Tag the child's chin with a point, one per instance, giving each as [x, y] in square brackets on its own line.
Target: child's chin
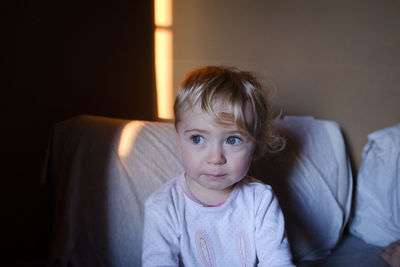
[219, 187]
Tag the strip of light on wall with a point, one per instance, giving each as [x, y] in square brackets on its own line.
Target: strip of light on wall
[163, 58]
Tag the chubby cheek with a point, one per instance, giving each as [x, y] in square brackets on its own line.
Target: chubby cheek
[241, 163]
[190, 164]
[241, 166]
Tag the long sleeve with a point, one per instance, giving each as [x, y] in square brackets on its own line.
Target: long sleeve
[160, 241]
[270, 238]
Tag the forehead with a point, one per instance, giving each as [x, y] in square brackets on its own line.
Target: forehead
[194, 117]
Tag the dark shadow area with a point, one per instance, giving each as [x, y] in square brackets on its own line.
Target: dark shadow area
[78, 170]
[59, 60]
[275, 168]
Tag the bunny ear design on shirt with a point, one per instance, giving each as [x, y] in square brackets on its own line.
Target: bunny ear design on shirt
[204, 249]
[243, 248]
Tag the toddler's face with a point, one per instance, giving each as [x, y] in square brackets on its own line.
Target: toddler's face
[215, 156]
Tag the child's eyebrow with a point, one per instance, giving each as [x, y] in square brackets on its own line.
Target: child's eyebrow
[232, 132]
[236, 132]
[196, 130]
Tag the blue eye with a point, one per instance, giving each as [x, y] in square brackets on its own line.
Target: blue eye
[197, 139]
[233, 140]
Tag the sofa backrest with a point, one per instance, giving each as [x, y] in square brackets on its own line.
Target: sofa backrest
[102, 170]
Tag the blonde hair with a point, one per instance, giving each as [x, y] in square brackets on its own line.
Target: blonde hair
[241, 94]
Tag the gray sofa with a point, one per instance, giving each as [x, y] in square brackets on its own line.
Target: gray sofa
[102, 169]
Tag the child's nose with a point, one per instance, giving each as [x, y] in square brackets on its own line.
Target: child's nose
[216, 156]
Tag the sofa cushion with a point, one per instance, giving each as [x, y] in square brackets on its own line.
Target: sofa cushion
[313, 181]
[376, 218]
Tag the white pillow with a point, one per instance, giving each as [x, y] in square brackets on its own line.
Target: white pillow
[313, 181]
[376, 218]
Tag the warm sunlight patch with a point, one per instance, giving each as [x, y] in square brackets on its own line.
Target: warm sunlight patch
[128, 137]
[164, 73]
[163, 13]
[163, 58]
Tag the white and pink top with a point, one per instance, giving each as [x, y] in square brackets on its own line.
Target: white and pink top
[246, 230]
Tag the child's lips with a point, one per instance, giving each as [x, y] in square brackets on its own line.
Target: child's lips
[215, 176]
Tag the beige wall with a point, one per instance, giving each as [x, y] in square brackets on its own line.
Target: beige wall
[334, 60]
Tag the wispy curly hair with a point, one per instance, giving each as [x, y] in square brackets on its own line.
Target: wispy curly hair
[242, 96]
